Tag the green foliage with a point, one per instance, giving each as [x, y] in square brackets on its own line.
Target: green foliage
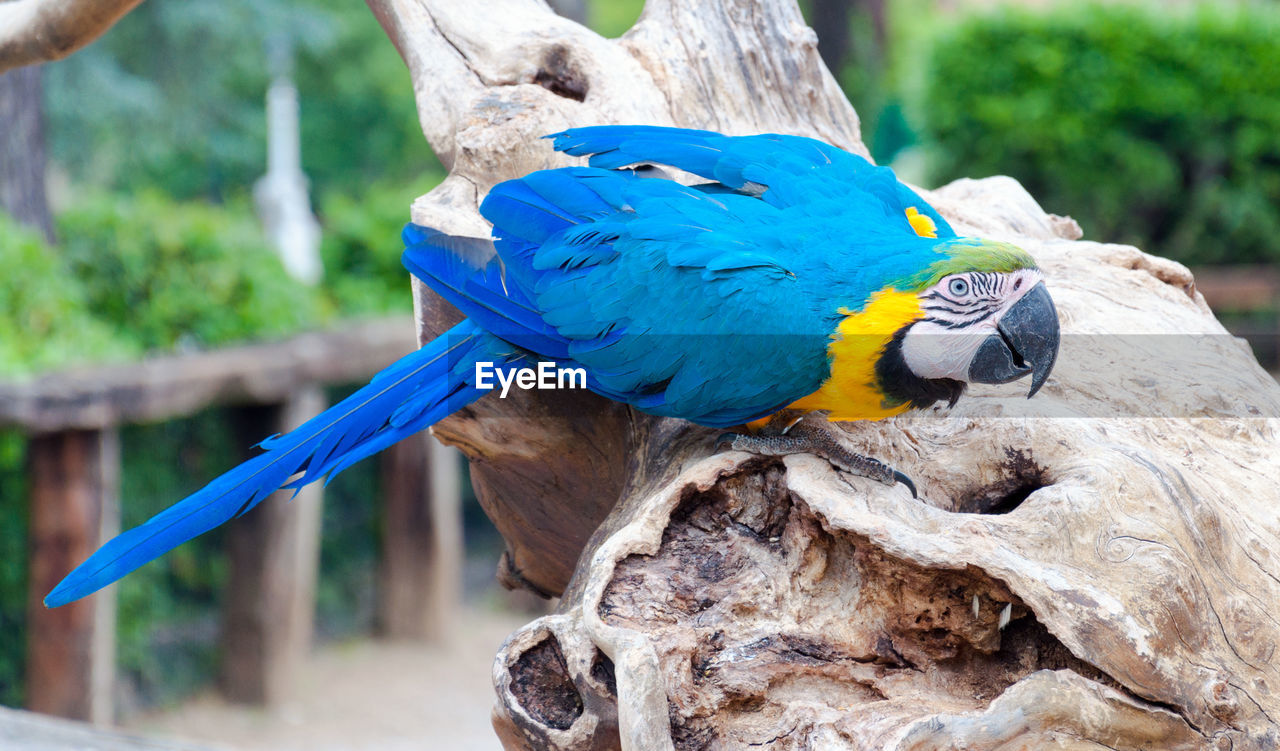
[45, 321]
[613, 18]
[1148, 128]
[863, 77]
[170, 97]
[187, 81]
[148, 263]
[134, 274]
[13, 567]
[164, 274]
[361, 246]
[170, 608]
[350, 538]
[359, 121]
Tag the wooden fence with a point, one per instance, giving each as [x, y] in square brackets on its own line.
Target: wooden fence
[72, 420]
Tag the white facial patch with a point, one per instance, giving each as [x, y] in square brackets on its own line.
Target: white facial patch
[960, 312]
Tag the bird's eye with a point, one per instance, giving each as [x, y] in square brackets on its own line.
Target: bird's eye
[958, 287]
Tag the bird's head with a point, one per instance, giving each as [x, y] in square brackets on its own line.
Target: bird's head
[985, 317]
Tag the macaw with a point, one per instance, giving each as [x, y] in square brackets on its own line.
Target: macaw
[799, 279]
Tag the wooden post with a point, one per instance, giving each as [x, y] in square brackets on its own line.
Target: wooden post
[421, 565]
[274, 555]
[75, 481]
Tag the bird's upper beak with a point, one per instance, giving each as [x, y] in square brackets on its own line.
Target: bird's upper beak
[1026, 341]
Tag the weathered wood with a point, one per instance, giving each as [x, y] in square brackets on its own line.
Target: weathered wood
[1094, 568]
[173, 385]
[549, 467]
[75, 480]
[26, 731]
[420, 570]
[37, 31]
[274, 556]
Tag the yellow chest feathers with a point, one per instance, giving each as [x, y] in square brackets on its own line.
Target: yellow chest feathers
[850, 392]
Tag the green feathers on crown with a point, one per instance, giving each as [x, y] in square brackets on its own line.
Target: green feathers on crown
[969, 254]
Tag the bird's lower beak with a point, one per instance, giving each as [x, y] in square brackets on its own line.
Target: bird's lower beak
[1026, 341]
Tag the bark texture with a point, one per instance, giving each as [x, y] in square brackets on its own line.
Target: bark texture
[1095, 568]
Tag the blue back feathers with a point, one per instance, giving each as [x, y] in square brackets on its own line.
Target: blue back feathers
[714, 302]
[710, 302]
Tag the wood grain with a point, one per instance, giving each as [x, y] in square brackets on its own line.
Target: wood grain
[1094, 568]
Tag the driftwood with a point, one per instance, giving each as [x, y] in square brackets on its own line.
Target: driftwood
[1096, 568]
[39, 31]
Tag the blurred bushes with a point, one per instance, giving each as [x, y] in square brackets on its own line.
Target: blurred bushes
[165, 274]
[149, 273]
[350, 540]
[169, 609]
[13, 564]
[45, 320]
[613, 18]
[172, 98]
[1149, 128]
[160, 128]
[361, 246]
[142, 273]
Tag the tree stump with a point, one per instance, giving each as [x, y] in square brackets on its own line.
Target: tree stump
[1097, 567]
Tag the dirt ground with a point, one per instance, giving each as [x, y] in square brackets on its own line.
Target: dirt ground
[365, 696]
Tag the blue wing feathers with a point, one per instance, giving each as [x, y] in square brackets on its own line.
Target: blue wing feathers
[770, 159]
[711, 302]
[481, 293]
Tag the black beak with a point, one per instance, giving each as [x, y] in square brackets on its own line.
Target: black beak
[1026, 342]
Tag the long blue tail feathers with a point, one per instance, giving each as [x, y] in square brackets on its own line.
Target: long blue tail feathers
[409, 396]
[429, 384]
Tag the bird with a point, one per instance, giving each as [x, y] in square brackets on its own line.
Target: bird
[732, 281]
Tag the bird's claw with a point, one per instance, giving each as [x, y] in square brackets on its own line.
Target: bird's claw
[727, 439]
[898, 476]
[819, 442]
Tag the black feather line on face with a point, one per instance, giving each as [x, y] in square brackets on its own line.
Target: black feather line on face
[899, 385]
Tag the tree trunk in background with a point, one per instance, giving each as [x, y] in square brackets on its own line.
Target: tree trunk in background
[22, 153]
[1095, 568]
[879, 25]
[831, 22]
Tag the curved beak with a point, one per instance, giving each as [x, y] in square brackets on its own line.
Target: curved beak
[1026, 341]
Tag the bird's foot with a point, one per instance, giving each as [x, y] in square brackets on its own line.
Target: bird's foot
[806, 436]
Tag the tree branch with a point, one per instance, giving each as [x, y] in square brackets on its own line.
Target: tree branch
[38, 31]
[1094, 567]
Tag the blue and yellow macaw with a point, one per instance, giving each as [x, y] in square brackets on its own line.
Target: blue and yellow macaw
[800, 279]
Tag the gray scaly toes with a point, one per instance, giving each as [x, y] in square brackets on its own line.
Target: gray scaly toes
[803, 438]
